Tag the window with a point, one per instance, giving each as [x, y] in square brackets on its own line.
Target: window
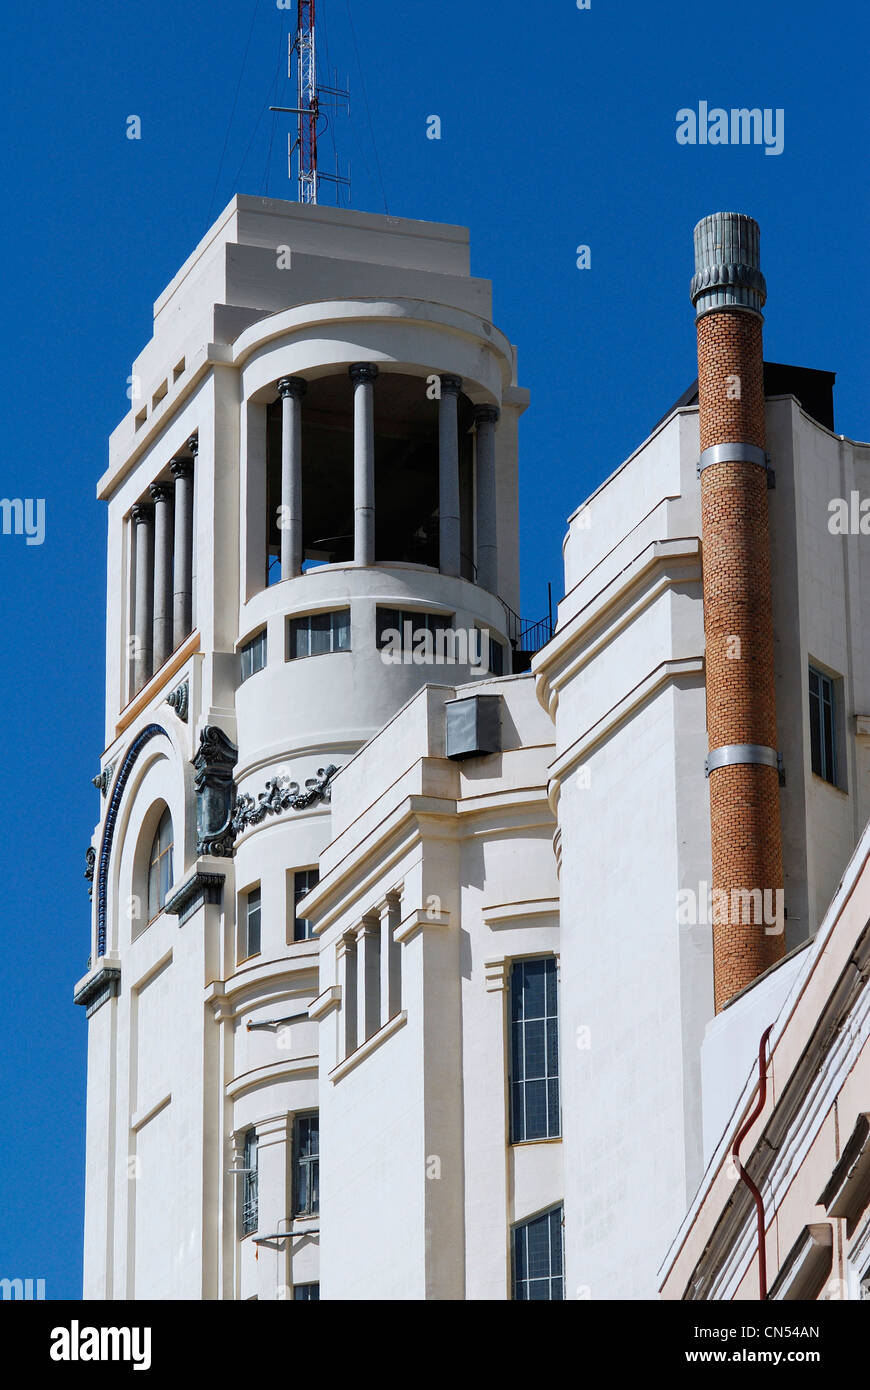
[306, 1165]
[409, 624]
[306, 1293]
[496, 656]
[251, 924]
[822, 726]
[865, 1286]
[253, 655]
[534, 1050]
[249, 1191]
[537, 1256]
[317, 633]
[160, 867]
[303, 882]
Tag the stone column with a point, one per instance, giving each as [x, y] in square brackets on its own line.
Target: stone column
[161, 495]
[143, 621]
[448, 476]
[486, 418]
[291, 389]
[363, 375]
[391, 961]
[347, 974]
[368, 978]
[182, 598]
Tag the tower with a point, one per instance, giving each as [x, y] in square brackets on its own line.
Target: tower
[314, 491]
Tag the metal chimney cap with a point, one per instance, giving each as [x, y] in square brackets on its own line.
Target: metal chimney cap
[728, 264]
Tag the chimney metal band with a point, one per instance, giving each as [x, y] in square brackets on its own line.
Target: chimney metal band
[733, 453]
[732, 753]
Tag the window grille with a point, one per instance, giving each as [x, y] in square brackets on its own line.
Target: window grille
[306, 1165]
[534, 1069]
[538, 1272]
[249, 1193]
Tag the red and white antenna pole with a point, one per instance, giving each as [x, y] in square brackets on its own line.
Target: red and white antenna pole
[308, 107]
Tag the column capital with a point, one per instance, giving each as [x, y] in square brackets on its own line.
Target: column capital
[390, 902]
[161, 492]
[294, 386]
[451, 385]
[363, 371]
[345, 944]
[486, 414]
[193, 445]
[181, 468]
[141, 512]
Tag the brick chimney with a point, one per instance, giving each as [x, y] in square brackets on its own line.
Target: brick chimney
[729, 292]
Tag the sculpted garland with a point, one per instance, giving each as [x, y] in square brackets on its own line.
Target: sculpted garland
[282, 795]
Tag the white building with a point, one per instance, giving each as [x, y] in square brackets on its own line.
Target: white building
[339, 1045]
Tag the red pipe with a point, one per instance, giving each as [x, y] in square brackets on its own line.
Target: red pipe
[735, 1154]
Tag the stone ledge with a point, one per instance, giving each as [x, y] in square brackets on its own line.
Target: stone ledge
[97, 989]
[189, 898]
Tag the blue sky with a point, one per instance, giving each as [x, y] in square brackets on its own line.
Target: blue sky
[558, 129]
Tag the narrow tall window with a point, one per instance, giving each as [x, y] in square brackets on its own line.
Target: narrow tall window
[306, 1165]
[306, 1293]
[253, 655]
[318, 633]
[303, 882]
[538, 1273]
[160, 867]
[823, 742]
[251, 924]
[249, 1189]
[496, 656]
[534, 1071]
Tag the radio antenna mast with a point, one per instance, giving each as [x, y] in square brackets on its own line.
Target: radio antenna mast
[310, 104]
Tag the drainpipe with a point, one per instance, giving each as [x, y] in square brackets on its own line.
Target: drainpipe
[744, 1176]
[729, 292]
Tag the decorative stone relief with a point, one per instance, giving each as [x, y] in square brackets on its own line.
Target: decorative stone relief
[104, 780]
[90, 863]
[178, 700]
[215, 792]
[282, 795]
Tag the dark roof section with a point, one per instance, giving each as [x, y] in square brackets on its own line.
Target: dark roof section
[814, 389]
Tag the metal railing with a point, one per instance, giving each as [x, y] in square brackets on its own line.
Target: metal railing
[526, 636]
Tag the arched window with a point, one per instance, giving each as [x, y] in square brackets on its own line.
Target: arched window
[160, 866]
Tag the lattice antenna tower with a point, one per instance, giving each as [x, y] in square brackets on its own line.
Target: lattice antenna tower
[313, 100]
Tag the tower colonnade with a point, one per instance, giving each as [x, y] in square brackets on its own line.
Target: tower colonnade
[364, 378]
[163, 568]
[465, 511]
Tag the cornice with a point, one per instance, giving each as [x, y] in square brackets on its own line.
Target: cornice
[654, 570]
